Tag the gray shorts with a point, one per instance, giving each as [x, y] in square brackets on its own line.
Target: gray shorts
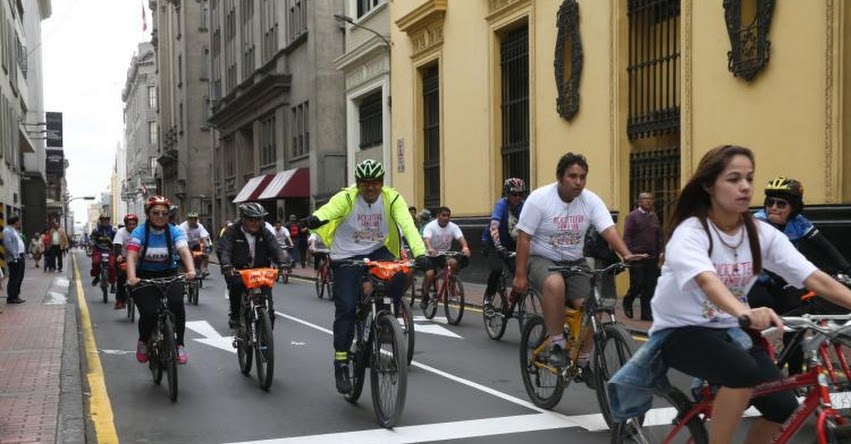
[578, 287]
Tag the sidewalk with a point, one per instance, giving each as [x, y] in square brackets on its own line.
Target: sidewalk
[40, 385]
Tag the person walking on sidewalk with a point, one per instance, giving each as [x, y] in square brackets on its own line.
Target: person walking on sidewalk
[58, 244]
[642, 234]
[15, 255]
[36, 248]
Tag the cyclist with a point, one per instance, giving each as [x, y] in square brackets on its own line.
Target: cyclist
[198, 237]
[318, 250]
[101, 238]
[499, 238]
[119, 245]
[151, 254]
[553, 225]
[364, 222]
[438, 235]
[246, 244]
[282, 235]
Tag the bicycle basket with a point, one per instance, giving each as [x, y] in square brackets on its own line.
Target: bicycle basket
[258, 277]
[386, 270]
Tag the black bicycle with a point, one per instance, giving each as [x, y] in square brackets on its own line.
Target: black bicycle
[256, 321]
[162, 345]
[503, 305]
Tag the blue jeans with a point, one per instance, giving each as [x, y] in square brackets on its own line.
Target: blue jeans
[347, 290]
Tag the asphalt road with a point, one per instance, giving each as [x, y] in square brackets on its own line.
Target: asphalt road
[462, 387]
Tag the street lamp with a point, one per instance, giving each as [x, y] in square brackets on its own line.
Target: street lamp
[351, 21]
[67, 204]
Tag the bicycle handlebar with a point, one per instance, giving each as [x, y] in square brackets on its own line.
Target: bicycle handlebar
[448, 253]
[810, 322]
[160, 282]
[581, 270]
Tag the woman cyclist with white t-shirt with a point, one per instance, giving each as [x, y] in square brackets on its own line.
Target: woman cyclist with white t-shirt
[714, 254]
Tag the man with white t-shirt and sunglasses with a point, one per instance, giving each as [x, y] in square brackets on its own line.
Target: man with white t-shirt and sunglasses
[438, 236]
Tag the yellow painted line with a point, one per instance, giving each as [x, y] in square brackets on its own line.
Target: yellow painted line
[99, 406]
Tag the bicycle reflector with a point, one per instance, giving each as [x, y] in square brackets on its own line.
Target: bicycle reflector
[386, 270]
[258, 277]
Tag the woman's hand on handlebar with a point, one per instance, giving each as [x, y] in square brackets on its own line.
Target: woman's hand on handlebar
[635, 257]
[132, 281]
[190, 275]
[761, 318]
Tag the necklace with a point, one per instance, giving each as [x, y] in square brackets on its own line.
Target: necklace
[734, 248]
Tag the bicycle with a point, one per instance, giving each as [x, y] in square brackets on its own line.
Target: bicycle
[379, 344]
[691, 416]
[128, 301]
[104, 275]
[324, 279]
[613, 345]
[254, 331]
[285, 269]
[503, 305]
[162, 345]
[450, 292]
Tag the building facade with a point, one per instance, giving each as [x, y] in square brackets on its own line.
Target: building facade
[483, 91]
[141, 129]
[181, 40]
[278, 104]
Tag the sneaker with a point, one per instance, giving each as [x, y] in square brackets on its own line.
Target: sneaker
[15, 301]
[142, 352]
[112, 288]
[556, 356]
[341, 376]
[95, 281]
[118, 305]
[586, 375]
[182, 357]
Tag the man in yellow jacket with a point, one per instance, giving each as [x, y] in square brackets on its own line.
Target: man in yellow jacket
[363, 221]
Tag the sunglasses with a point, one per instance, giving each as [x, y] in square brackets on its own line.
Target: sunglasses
[515, 194]
[159, 213]
[780, 203]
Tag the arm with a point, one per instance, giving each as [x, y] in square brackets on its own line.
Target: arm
[465, 249]
[132, 259]
[720, 295]
[336, 208]
[611, 236]
[409, 229]
[225, 245]
[524, 243]
[824, 285]
[276, 252]
[188, 262]
[815, 247]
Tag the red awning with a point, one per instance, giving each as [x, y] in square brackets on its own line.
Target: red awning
[289, 183]
[252, 189]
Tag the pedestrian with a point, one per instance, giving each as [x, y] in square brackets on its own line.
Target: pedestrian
[642, 234]
[299, 238]
[58, 244]
[15, 255]
[36, 248]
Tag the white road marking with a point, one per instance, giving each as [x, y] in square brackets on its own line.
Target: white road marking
[433, 329]
[211, 336]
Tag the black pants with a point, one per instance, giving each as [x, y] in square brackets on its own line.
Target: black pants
[16, 278]
[57, 253]
[643, 275]
[146, 299]
[121, 291]
[495, 264]
[49, 259]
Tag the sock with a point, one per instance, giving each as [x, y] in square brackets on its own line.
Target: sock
[558, 340]
[583, 359]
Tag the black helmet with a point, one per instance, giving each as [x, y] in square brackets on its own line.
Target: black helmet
[789, 189]
[252, 209]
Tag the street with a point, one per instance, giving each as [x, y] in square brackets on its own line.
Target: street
[462, 386]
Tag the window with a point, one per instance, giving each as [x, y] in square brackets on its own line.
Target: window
[431, 136]
[371, 119]
[298, 18]
[364, 6]
[268, 147]
[153, 132]
[269, 24]
[205, 64]
[247, 36]
[180, 117]
[179, 71]
[230, 156]
[300, 129]
[230, 46]
[205, 14]
[152, 97]
[514, 65]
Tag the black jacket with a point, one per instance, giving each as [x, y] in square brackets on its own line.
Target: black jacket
[234, 248]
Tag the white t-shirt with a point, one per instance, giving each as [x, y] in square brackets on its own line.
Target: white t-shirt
[441, 237]
[363, 231]
[557, 227]
[678, 300]
[316, 244]
[194, 235]
[121, 238]
[282, 236]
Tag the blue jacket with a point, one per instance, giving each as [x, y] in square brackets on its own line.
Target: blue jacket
[631, 389]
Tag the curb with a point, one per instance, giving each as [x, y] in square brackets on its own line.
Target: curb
[70, 424]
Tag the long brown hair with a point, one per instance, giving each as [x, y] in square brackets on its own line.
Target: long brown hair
[694, 200]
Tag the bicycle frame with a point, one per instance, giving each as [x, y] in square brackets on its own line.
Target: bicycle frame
[443, 287]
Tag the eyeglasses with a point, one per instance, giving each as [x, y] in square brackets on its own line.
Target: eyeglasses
[781, 204]
[159, 213]
[515, 194]
[253, 219]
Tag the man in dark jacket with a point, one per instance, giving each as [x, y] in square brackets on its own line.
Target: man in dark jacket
[246, 244]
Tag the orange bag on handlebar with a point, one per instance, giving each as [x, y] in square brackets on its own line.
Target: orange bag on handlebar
[386, 270]
[258, 277]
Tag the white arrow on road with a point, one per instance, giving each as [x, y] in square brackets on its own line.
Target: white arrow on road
[211, 336]
[421, 324]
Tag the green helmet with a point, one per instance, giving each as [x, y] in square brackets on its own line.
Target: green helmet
[369, 170]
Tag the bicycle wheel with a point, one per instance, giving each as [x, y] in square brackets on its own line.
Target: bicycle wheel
[543, 386]
[430, 308]
[388, 372]
[329, 286]
[154, 360]
[244, 351]
[320, 287]
[453, 301]
[493, 314]
[131, 308]
[834, 433]
[168, 355]
[265, 350]
[193, 293]
[413, 289]
[529, 305]
[406, 321]
[104, 288]
[614, 348]
[358, 357]
[654, 428]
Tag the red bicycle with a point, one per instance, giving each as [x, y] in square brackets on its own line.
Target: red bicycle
[686, 422]
[450, 292]
[324, 278]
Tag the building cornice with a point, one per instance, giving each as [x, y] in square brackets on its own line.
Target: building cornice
[361, 54]
[427, 13]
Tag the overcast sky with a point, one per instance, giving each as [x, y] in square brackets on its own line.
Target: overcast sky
[86, 50]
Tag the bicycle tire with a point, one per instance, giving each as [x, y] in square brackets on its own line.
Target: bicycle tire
[493, 314]
[413, 289]
[168, 355]
[320, 287]
[835, 433]
[244, 351]
[131, 309]
[543, 387]
[358, 356]
[529, 305]
[264, 352]
[453, 301]
[388, 372]
[329, 286]
[104, 287]
[614, 348]
[430, 308]
[408, 330]
[285, 277]
[193, 294]
[640, 431]
[154, 360]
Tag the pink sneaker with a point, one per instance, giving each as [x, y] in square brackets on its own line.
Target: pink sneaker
[182, 357]
[142, 352]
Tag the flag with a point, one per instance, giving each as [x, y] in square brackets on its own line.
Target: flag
[144, 19]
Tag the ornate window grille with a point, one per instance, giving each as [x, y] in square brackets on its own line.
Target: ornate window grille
[514, 64]
[657, 172]
[568, 59]
[748, 22]
[370, 120]
[431, 136]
